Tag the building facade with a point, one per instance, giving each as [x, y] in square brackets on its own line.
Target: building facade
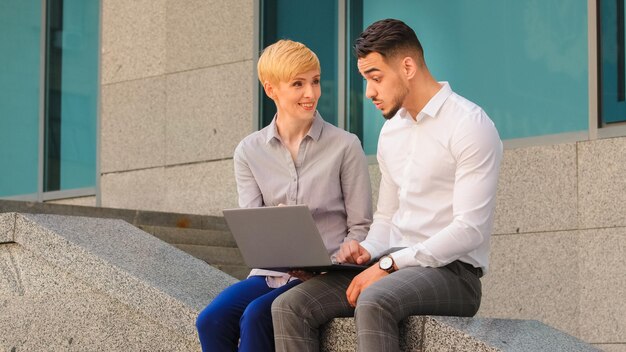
[140, 104]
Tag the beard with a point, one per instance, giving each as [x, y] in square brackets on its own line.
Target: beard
[397, 103]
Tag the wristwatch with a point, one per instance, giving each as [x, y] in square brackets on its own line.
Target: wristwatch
[386, 263]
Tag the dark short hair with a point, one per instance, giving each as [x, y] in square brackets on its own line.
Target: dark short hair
[388, 37]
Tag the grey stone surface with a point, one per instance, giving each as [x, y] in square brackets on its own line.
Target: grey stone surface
[7, 226]
[46, 308]
[203, 188]
[139, 189]
[133, 39]
[133, 125]
[603, 281]
[192, 236]
[208, 112]
[435, 334]
[535, 276]
[89, 201]
[126, 264]
[618, 347]
[537, 190]
[602, 185]
[203, 33]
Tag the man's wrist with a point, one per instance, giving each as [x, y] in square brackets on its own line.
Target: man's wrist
[387, 264]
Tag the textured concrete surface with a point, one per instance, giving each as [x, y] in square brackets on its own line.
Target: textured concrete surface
[534, 276]
[208, 112]
[612, 347]
[133, 39]
[203, 33]
[433, 333]
[602, 185]
[7, 227]
[139, 189]
[603, 281]
[133, 125]
[203, 188]
[125, 264]
[46, 308]
[537, 190]
[89, 201]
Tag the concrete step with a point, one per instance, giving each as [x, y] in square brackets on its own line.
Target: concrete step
[213, 255]
[237, 271]
[176, 235]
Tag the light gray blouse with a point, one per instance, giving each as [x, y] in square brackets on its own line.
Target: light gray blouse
[330, 175]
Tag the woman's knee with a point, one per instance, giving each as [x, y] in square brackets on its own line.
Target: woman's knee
[213, 320]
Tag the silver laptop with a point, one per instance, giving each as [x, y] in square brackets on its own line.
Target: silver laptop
[281, 238]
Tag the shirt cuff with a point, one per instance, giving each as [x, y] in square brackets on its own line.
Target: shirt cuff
[371, 249]
[417, 255]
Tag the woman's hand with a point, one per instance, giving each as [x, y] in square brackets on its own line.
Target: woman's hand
[303, 275]
[353, 252]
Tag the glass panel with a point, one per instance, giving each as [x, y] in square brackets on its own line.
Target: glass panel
[612, 102]
[316, 27]
[524, 62]
[71, 96]
[20, 32]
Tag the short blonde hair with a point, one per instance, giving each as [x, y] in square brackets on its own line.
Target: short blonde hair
[285, 59]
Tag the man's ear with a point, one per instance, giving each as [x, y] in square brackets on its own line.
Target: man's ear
[409, 67]
[269, 89]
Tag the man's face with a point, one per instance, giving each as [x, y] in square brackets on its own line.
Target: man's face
[384, 85]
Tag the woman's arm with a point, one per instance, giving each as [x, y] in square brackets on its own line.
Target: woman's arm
[357, 191]
[247, 187]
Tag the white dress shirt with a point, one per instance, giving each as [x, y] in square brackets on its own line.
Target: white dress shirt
[438, 187]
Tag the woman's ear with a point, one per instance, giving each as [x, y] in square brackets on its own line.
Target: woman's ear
[269, 89]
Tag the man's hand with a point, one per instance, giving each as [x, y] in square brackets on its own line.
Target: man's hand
[363, 281]
[353, 252]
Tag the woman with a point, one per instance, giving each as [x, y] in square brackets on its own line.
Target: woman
[297, 159]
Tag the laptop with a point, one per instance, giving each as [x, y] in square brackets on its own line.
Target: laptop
[281, 238]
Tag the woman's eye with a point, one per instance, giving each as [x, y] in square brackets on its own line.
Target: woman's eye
[297, 84]
[316, 81]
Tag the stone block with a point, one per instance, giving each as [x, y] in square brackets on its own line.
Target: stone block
[203, 33]
[7, 226]
[89, 201]
[603, 281]
[203, 188]
[133, 39]
[534, 276]
[601, 170]
[133, 125]
[126, 264]
[47, 308]
[438, 334]
[208, 112]
[537, 190]
[139, 189]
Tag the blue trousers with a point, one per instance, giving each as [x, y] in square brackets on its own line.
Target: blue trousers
[242, 312]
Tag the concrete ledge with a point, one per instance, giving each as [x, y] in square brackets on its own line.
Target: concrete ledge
[7, 227]
[434, 333]
[99, 262]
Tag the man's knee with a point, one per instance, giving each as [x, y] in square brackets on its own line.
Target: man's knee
[287, 301]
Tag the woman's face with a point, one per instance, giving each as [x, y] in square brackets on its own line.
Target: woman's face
[297, 98]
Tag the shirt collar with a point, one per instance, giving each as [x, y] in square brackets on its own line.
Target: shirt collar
[434, 104]
[314, 132]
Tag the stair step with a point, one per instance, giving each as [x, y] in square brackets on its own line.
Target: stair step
[237, 271]
[176, 235]
[213, 255]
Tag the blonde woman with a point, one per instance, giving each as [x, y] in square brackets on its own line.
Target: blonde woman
[298, 159]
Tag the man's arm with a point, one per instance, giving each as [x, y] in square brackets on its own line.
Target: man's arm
[478, 150]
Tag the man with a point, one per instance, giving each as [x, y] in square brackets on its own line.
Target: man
[439, 156]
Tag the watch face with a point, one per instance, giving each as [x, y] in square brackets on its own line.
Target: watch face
[386, 263]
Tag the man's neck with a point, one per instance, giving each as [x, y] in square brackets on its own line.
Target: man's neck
[422, 88]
